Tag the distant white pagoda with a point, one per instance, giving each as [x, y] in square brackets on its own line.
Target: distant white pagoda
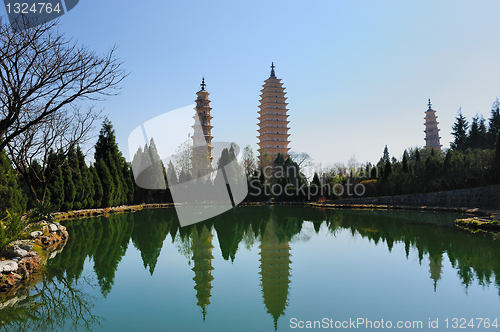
[202, 136]
[431, 129]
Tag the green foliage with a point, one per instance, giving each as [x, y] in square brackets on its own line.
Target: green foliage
[460, 132]
[387, 169]
[108, 185]
[77, 173]
[87, 183]
[405, 162]
[12, 227]
[494, 124]
[117, 189]
[11, 197]
[149, 175]
[316, 180]
[96, 199]
[385, 156]
[69, 188]
[55, 181]
[41, 211]
[171, 175]
[477, 134]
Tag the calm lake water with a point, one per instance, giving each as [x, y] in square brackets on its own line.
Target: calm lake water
[264, 268]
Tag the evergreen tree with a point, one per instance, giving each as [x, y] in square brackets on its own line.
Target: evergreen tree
[316, 180]
[171, 175]
[107, 154]
[432, 171]
[387, 169]
[417, 155]
[96, 199]
[405, 162]
[460, 132]
[55, 181]
[129, 183]
[497, 150]
[35, 186]
[108, 185]
[69, 187]
[477, 133]
[87, 199]
[385, 157]
[493, 124]
[77, 177]
[11, 197]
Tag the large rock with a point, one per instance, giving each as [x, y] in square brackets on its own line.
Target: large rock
[8, 266]
[36, 234]
[26, 246]
[53, 227]
[15, 251]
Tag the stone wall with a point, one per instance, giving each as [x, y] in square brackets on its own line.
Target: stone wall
[483, 198]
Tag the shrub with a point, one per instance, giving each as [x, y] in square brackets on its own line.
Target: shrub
[41, 211]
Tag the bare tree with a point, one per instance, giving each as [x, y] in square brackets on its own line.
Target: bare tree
[302, 159]
[60, 132]
[183, 156]
[248, 160]
[42, 74]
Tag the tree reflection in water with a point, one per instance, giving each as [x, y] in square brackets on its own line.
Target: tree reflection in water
[60, 301]
[54, 304]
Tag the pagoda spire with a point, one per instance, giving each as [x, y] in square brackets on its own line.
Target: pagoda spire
[429, 104]
[203, 83]
[272, 70]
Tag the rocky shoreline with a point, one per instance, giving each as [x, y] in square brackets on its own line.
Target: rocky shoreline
[21, 262]
[478, 224]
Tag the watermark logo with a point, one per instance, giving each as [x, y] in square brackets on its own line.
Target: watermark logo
[205, 179]
[24, 14]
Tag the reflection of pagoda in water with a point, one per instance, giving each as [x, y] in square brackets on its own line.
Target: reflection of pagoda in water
[436, 268]
[202, 258]
[274, 270]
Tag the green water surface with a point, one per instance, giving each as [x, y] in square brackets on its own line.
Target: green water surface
[262, 269]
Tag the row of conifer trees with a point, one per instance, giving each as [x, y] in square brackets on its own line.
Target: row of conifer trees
[68, 183]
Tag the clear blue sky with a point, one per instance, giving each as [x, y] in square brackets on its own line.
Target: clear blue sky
[357, 73]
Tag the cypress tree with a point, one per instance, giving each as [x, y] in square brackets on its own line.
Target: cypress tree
[69, 187]
[87, 200]
[11, 197]
[77, 176]
[387, 169]
[496, 161]
[108, 154]
[417, 155]
[405, 162]
[55, 181]
[108, 185]
[35, 186]
[494, 124]
[460, 132]
[385, 157]
[96, 199]
[477, 133]
[129, 183]
[316, 180]
[171, 175]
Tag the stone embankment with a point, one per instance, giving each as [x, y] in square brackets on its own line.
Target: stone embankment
[23, 259]
[107, 211]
